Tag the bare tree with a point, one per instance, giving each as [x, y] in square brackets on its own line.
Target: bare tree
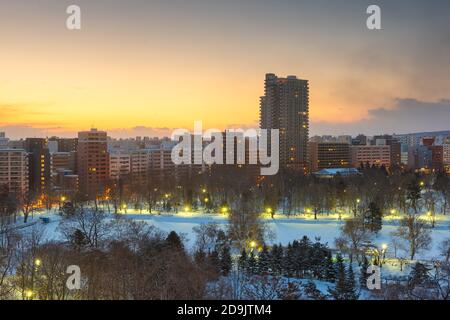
[353, 235]
[91, 224]
[8, 241]
[415, 232]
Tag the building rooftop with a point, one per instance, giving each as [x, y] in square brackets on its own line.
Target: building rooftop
[336, 171]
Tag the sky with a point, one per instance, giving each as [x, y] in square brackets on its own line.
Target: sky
[144, 67]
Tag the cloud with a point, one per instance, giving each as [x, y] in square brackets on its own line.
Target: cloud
[141, 131]
[25, 131]
[405, 116]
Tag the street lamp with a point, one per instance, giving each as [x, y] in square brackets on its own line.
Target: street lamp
[224, 210]
[37, 262]
[358, 200]
[384, 247]
[29, 294]
[393, 211]
[186, 209]
[269, 210]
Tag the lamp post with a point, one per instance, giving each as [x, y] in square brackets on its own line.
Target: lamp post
[253, 245]
[36, 264]
[269, 210]
[384, 247]
[62, 200]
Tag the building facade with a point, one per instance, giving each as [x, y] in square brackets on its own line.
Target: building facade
[39, 166]
[14, 171]
[119, 165]
[285, 106]
[373, 155]
[92, 162]
[327, 155]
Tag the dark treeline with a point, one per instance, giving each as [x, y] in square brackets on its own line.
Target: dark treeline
[288, 192]
[119, 259]
[299, 259]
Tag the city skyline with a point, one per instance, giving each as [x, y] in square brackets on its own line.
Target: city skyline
[153, 67]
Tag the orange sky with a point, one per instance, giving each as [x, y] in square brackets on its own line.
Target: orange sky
[122, 71]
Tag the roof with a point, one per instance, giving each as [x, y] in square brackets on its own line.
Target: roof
[335, 171]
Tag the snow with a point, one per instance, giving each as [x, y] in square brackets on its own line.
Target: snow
[285, 229]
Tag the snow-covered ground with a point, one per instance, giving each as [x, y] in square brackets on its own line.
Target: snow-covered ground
[284, 229]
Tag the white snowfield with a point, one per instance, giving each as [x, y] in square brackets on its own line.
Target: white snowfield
[285, 229]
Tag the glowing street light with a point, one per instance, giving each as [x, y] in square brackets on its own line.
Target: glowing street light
[206, 199]
[358, 200]
[37, 262]
[393, 211]
[63, 199]
[253, 244]
[269, 210]
[422, 183]
[29, 294]
[384, 247]
[204, 190]
[224, 210]
[308, 211]
[187, 209]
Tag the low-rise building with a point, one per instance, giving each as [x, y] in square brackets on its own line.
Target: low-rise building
[323, 155]
[378, 155]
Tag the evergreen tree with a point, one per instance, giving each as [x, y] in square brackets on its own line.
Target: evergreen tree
[351, 291]
[374, 218]
[288, 261]
[419, 274]
[330, 270]
[214, 260]
[78, 239]
[264, 261]
[251, 264]
[363, 273]
[174, 241]
[243, 261]
[413, 194]
[225, 260]
[277, 259]
[339, 291]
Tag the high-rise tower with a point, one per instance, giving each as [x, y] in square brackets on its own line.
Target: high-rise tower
[285, 106]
